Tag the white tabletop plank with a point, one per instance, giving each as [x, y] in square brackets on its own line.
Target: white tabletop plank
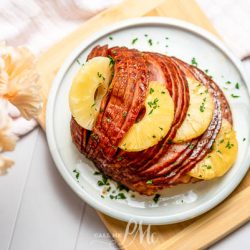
[12, 186]
[93, 234]
[49, 215]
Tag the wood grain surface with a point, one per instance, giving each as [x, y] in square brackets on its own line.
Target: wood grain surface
[193, 234]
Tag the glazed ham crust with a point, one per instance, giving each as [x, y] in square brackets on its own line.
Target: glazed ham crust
[166, 164]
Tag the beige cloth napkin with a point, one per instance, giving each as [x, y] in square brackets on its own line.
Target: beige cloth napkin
[38, 24]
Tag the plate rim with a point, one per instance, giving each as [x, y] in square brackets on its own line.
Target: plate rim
[83, 194]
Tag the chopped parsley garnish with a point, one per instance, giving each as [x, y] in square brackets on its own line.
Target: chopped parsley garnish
[151, 90]
[151, 111]
[153, 136]
[218, 151]
[93, 105]
[110, 38]
[228, 82]
[97, 173]
[161, 128]
[244, 139]
[149, 182]
[77, 173]
[111, 197]
[235, 96]
[191, 146]
[156, 198]
[237, 85]
[166, 38]
[202, 107]
[104, 181]
[194, 62]
[112, 61]
[207, 166]
[119, 158]
[153, 105]
[188, 114]
[100, 76]
[120, 196]
[122, 187]
[229, 145]
[102, 196]
[150, 42]
[114, 52]
[146, 35]
[206, 71]
[163, 92]
[124, 113]
[134, 40]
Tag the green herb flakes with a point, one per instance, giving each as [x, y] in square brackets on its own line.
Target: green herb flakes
[151, 91]
[112, 61]
[134, 40]
[202, 107]
[194, 62]
[149, 182]
[77, 173]
[156, 198]
[237, 85]
[229, 145]
[119, 158]
[234, 96]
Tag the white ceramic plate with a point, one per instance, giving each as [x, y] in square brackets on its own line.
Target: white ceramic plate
[176, 38]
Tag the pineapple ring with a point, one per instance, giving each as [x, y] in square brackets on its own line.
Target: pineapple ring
[199, 113]
[88, 88]
[156, 122]
[222, 156]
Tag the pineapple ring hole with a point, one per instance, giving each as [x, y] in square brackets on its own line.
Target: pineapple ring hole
[98, 91]
[141, 114]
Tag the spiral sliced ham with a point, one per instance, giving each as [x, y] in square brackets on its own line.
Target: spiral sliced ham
[166, 164]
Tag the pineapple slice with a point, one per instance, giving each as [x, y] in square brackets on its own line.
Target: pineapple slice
[199, 113]
[222, 156]
[88, 88]
[156, 122]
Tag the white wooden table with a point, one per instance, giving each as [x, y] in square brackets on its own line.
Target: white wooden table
[39, 211]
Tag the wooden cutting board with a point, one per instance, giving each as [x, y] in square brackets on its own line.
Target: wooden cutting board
[197, 233]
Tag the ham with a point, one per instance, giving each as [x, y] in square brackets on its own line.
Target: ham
[166, 164]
